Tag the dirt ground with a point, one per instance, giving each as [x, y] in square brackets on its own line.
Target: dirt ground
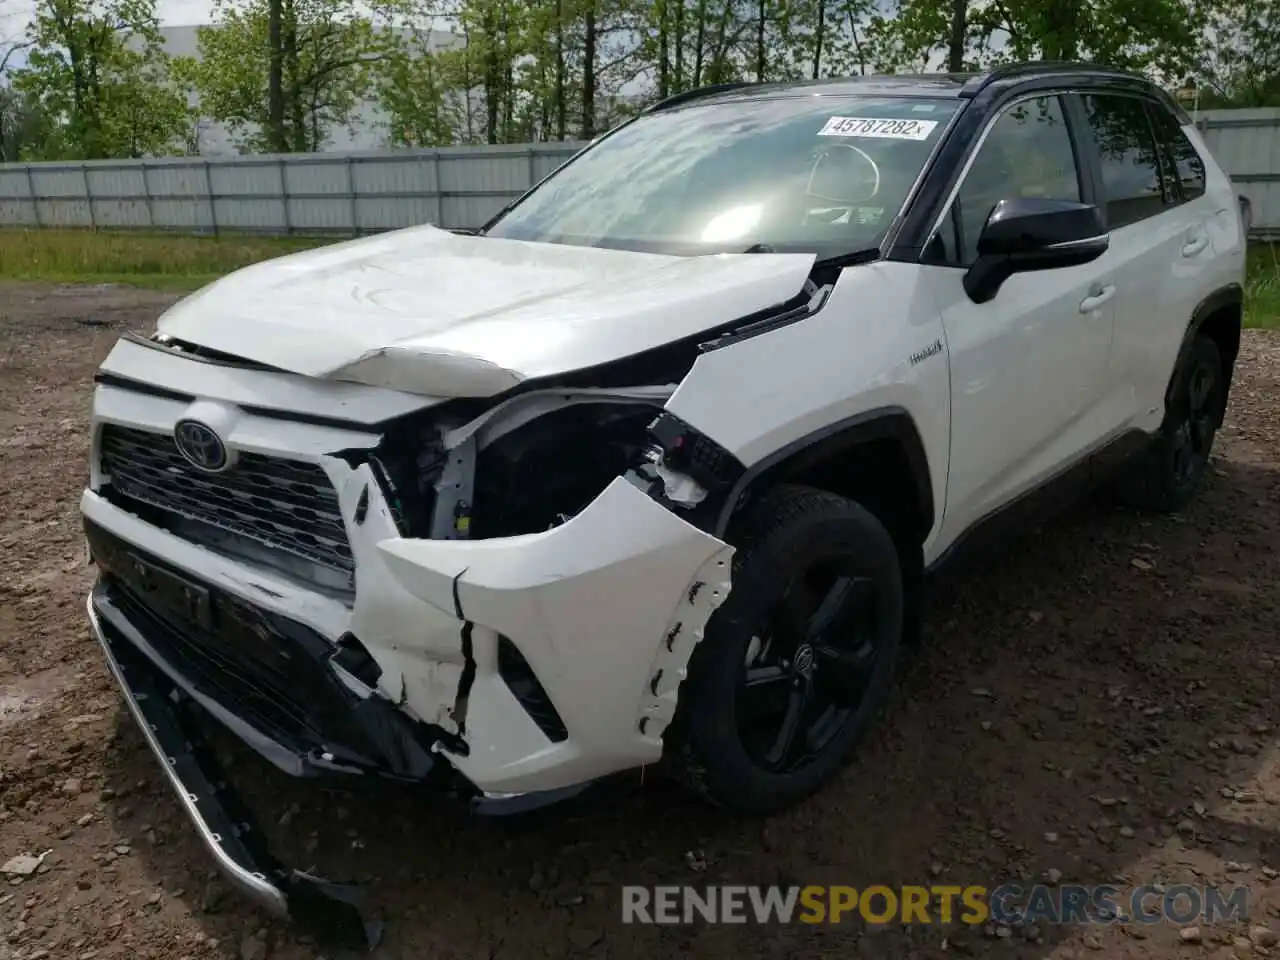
[1097, 705]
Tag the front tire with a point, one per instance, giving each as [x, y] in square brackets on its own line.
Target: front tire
[1172, 470]
[797, 663]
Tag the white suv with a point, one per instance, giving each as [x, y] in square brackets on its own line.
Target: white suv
[653, 468]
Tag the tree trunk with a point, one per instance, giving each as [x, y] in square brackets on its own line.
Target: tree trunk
[678, 61]
[760, 21]
[589, 74]
[508, 78]
[1062, 36]
[701, 42]
[664, 40]
[562, 108]
[275, 79]
[492, 77]
[296, 106]
[819, 35]
[955, 45]
[720, 54]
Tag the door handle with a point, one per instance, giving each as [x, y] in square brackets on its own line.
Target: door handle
[1195, 245]
[1097, 297]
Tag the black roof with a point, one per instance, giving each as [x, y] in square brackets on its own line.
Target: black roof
[965, 85]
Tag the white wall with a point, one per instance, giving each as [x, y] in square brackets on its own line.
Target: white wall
[368, 129]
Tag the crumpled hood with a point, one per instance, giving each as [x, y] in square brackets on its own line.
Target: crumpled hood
[427, 311]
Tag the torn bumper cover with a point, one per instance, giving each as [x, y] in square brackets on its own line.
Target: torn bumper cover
[602, 612]
[605, 609]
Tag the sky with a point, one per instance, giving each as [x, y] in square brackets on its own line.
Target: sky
[15, 14]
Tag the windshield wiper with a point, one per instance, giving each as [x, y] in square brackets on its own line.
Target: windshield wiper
[865, 255]
[853, 257]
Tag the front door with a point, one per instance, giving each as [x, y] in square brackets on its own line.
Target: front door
[1029, 366]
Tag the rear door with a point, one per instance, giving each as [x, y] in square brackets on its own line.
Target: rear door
[1160, 246]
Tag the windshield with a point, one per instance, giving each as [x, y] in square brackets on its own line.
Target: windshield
[814, 174]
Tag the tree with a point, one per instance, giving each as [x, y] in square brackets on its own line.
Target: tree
[96, 71]
[419, 81]
[1240, 61]
[325, 53]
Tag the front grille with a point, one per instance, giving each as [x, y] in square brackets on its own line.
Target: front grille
[265, 669]
[280, 512]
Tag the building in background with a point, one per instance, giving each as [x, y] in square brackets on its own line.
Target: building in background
[368, 129]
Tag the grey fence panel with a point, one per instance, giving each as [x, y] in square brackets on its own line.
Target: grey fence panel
[180, 194]
[314, 193]
[455, 187]
[17, 202]
[117, 196]
[1246, 143]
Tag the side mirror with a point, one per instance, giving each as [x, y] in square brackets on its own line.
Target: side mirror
[1029, 233]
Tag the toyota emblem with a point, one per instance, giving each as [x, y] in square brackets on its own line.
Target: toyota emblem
[200, 445]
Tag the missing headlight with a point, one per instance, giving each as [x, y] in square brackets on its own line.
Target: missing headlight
[548, 470]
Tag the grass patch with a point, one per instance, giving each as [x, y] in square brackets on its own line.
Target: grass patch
[159, 261]
[172, 261]
[1262, 287]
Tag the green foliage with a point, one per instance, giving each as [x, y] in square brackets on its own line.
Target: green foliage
[282, 75]
[1240, 58]
[327, 52]
[97, 82]
[415, 83]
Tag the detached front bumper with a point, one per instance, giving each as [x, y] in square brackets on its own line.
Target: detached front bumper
[161, 709]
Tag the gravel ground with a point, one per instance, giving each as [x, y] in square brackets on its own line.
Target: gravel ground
[1096, 705]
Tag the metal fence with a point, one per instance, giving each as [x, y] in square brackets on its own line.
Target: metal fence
[456, 188]
[1247, 145]
[303, 193]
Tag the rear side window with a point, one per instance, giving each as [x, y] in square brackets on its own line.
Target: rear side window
[1180, 156]
[1127, 149]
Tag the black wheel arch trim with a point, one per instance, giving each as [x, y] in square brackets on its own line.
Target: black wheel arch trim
[881, 423]
[1231, 295]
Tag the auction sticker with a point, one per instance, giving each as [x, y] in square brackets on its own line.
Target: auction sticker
[877, 128]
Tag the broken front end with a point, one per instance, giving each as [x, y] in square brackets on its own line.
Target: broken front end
[495, 599]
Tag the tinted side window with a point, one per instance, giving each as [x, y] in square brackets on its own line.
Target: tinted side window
[1027, 153]
[1180, 153]
[1130, 171]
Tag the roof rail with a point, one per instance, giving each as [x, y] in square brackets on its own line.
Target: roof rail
[978, 83]
[698, 92]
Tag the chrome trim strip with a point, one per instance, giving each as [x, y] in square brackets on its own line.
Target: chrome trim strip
[254, 885]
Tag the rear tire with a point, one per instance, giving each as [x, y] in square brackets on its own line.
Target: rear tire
[797, 663]
[1168, 475]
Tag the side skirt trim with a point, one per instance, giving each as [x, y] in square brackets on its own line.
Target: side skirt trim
[1040, 503]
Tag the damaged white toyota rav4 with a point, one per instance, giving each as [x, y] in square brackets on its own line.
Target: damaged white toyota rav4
[653, 467]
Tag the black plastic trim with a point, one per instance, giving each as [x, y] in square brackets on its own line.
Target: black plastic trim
[1088, 163]
[1232, 295]
[1016, 517]
[686, 96]
[138, 386]
[268, 413]
[881, 423]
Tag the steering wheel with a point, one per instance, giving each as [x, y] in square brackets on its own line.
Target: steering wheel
[843, 174]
